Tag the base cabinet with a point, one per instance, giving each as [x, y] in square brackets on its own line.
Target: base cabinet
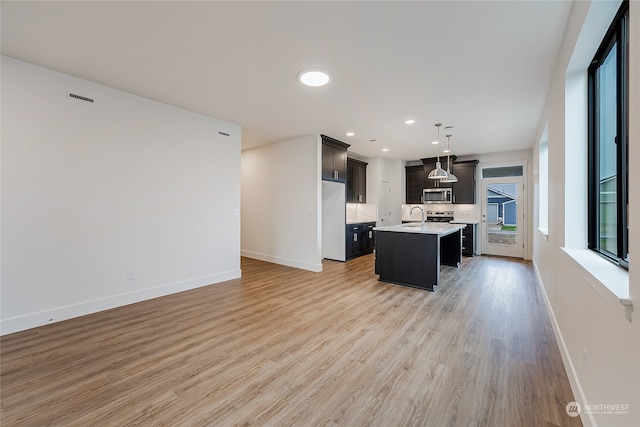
[360, 239]
[469, 234]
[368, 239]
[353, 244]
[414, 259]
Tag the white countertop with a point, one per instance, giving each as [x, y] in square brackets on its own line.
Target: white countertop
[456, 221]
[438, 228]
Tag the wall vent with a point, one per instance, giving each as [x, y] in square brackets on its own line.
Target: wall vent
[80, 97]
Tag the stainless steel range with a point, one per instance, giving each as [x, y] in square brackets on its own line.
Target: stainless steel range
[439, 216]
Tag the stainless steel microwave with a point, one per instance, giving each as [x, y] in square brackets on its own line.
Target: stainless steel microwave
[436, 195]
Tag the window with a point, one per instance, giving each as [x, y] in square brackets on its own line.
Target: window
[609, 144]
[543, 181]
[502, 171]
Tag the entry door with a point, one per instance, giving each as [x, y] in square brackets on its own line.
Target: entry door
[502, 217]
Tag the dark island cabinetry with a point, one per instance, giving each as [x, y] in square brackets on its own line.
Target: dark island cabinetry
[412, 256]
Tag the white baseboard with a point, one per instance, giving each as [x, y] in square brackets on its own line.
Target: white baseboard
[303, 265]
[33, 320]
[574, 381]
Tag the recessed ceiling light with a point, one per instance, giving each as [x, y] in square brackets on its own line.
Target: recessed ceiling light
[385, 149]
[409, 122]
[314, 78]
[446, 151]
[350, 133]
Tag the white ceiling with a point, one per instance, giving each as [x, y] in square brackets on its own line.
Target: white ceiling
[482, 66]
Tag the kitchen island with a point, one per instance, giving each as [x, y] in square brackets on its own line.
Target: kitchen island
[411, 254]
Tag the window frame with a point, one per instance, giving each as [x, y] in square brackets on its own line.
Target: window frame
[617, 34]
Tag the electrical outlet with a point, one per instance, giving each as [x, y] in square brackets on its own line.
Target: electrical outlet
[131, 274]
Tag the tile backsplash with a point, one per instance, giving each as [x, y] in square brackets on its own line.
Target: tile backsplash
[460, 212]
[362, 212]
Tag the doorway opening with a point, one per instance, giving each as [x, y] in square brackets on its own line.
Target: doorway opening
[502, 226]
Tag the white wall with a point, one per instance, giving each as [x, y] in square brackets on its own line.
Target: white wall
[281, 199]
[93, 190]
[585, 314]
[392, 171]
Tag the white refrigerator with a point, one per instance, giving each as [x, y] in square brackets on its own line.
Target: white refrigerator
[333, 220]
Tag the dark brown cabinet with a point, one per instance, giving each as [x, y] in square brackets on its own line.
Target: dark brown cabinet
[356, 181]
[353, 241]
[334, 159]
[368, 239]
[464, 191]
[429, 165]
[416, 178]
[360, 239]
[415, 183]
[469, 240]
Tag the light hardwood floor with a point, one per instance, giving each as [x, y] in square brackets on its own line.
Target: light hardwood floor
[284, 347]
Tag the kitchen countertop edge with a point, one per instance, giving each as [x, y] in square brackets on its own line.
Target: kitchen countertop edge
[440, 229]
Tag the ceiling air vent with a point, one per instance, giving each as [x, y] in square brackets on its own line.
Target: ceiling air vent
[80, 97]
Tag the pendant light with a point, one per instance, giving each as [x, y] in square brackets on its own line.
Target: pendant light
[450, 177]
[438, 172]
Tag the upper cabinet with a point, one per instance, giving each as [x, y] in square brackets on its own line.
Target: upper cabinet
[334, 159]
[415, 183]
[464, 191]
[430, 164]
[356, 181]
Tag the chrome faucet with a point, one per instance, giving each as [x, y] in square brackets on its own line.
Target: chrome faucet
[421, 213]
